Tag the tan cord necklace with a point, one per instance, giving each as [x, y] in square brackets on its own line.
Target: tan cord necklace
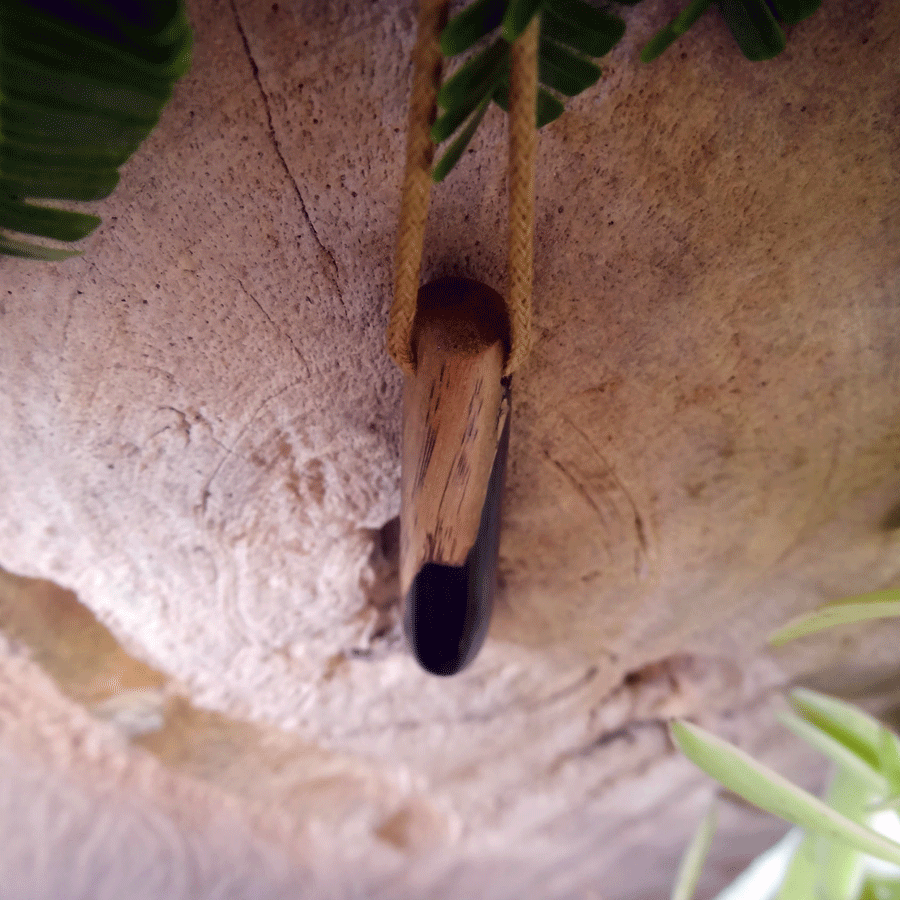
[416, 192]
[457, 341]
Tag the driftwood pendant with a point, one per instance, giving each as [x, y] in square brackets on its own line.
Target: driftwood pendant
[455, 438]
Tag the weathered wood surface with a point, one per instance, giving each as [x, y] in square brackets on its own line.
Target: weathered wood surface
[452, 422]
[199, 431]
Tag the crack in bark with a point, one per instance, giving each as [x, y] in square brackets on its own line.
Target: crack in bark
[621, 732]
[280, 331]
[639, 526]
[578, 487]
[324, 252]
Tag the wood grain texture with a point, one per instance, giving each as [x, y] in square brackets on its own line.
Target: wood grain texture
[453, 416]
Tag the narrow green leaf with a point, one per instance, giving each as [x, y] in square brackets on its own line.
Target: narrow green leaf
[861, 733]
[480, 70]
[14, 165]
[579, 14]
[880, 888]
[802, 876]
[590, 41]
[457, 148]
[41, 221]
[60, 185]
[890, 802]
[39, 83]
[889, 758]
[518, 14]
[825, 869]
[55, 155]
[86, 145]
[108, 27]
[24, 26]
[754, 28]
[454, 117]
[839, 863]
[468, 27]
[761, 786]
[89, 61]
[835, 750]
[549, 107]
[695, 856]
[79, 127]
[866, 607]
[564, 71]
[12, 247]
[667, 36]
[793, 11]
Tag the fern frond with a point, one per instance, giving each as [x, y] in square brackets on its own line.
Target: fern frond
[753, 23]
[573, 34]
[82, 84]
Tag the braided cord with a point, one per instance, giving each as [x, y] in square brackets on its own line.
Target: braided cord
[427, 65]
[416, 193]
[522, 153]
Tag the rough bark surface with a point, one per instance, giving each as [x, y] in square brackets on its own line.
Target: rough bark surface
[199, 437]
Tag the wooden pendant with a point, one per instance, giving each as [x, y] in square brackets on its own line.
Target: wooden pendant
[455, 438]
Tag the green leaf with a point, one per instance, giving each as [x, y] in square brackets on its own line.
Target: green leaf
[754, 28]
[839, 863]
[865, 607]
[695, 856]
[62, 184]
[590, 41]
[82, 83]
[793, 11]
[761, 786]
[835, 750]
[667, 36]
[564, 71]
[53, 155]
[24, 135]
[826, 869]
[41, 122]
[549, 107]
[91, 60]
[11, 247]
[161, 49]
[59, 224]
[24, 27]
[468, 27]
[889, 758]
[880, 888]
[892, 801]
[36, 82]
[457, 90]
[518, 14]
[859, 732]
[454, 117]
[579, 14]
[801, 878]
[457, 148]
